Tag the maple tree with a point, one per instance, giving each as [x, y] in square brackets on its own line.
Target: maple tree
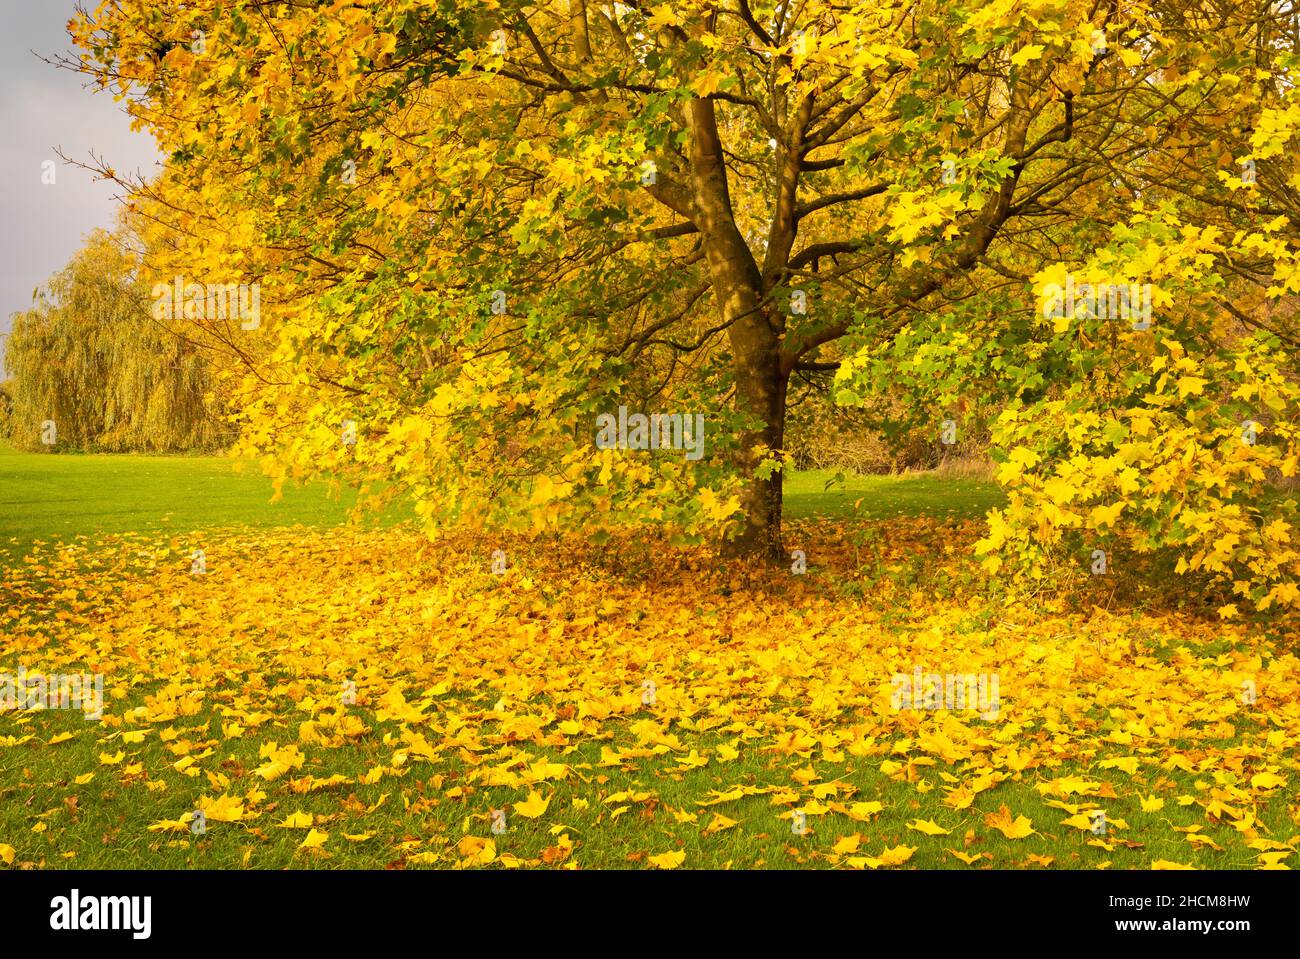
[486, 236]
[482, 226]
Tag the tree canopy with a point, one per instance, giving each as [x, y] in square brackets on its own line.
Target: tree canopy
[479, 227]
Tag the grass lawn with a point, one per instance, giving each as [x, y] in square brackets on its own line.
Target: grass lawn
[54, 497]
[817, 493]
[340, 697]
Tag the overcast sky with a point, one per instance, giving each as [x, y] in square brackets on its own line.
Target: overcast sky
[44, 109]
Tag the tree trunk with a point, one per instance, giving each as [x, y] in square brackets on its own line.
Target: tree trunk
[760, 391]
[755, 329]
[760, 394]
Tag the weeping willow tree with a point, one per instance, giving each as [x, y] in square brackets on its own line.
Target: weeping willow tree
[93, 369]
[6, 405]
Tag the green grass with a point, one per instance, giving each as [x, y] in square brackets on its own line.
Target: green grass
[817, 493]
[102, 822]
[58, 497]
[108, 827]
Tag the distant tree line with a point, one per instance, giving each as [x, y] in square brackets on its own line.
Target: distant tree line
[92, 369]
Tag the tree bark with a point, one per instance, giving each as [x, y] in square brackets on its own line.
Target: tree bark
[755, 329]
[760, 392]
[761, 383]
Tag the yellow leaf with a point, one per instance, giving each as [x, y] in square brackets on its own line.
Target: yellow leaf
[928, 827]
[847, 844]
[315, 839]
[533, 806]
[693, 761]
[668, 860]
[1078, 821]
[1030, 51]
[224, 809]
[862, 811]
[1266, 780]
[898, 855]
[1021, 827]
[477, 851]
[719, 823]
[1128, 764]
